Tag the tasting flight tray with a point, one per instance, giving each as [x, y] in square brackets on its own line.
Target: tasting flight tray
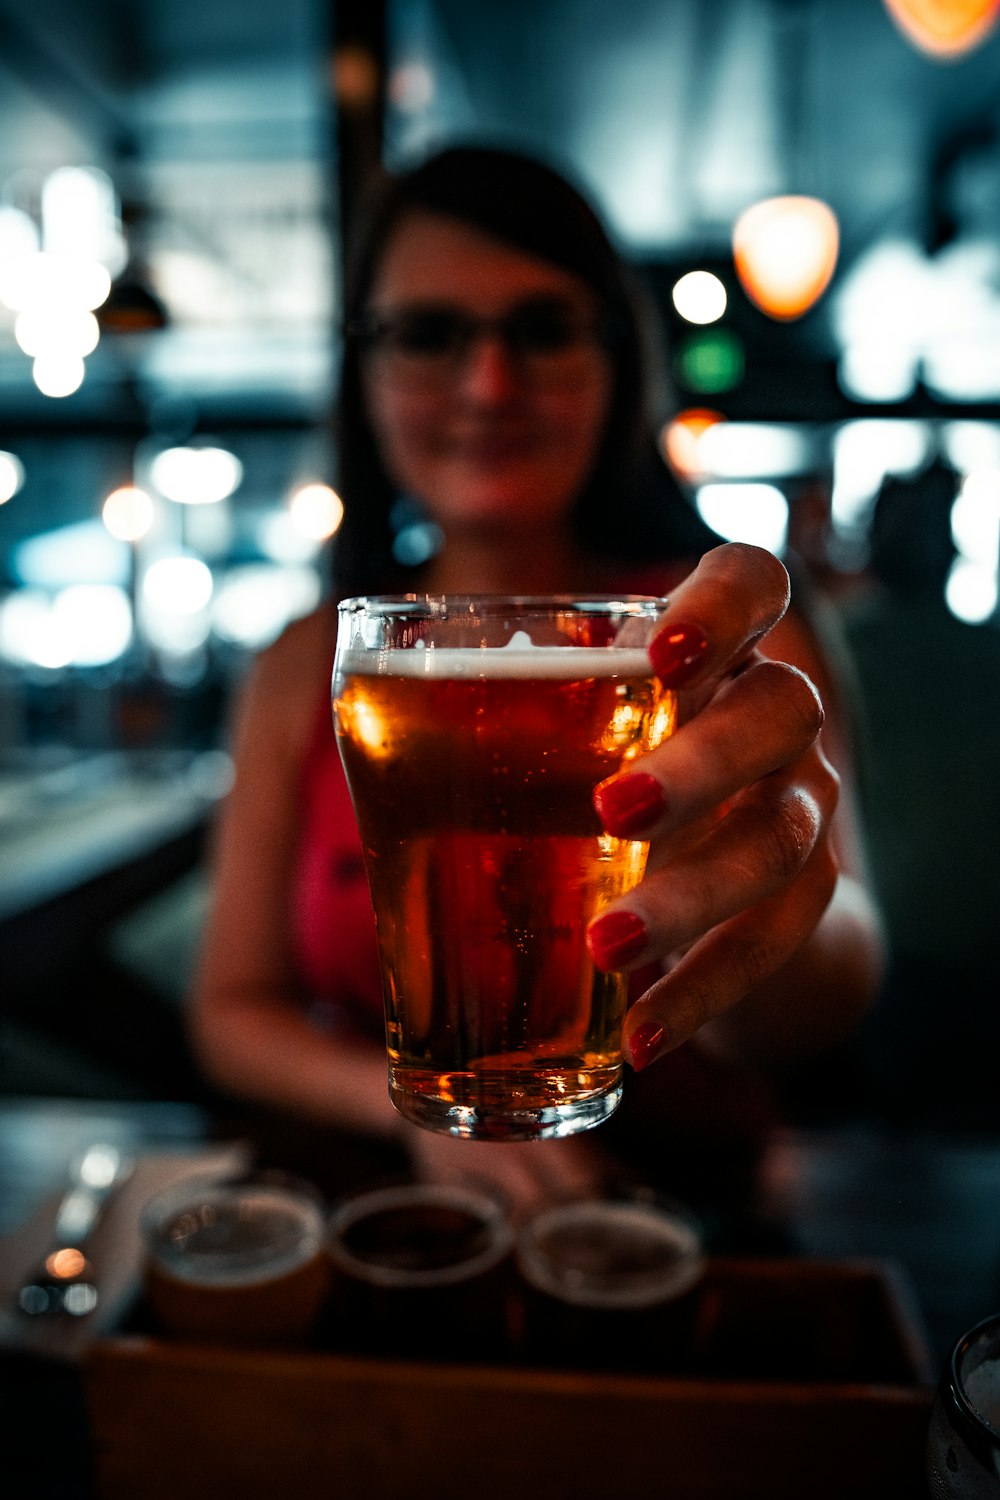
[812, 1379]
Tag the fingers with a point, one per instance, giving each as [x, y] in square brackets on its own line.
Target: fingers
[716, 754]
[523, 1176]
[734, 597]
[759, 845]
[734, 957]
[737, 805]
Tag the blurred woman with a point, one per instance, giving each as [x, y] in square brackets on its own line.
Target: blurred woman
[495, 434]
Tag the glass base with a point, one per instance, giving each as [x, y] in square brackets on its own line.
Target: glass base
[499, 1122]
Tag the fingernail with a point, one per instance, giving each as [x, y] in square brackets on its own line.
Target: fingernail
[626, 805]
[615, 938]
[644, 1044]
[677, 653]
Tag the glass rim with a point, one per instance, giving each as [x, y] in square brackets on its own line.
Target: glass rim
[978, 1431]
[478, 1204]
[426, 605]
[661, 1213]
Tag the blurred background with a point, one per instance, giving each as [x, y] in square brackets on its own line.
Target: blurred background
[177, 180]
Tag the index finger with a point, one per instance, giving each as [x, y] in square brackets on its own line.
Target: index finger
[735, 595]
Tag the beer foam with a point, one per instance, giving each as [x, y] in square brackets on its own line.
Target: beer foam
[518, 659]
[612, 1255]
[982, 1386]
[226, 1239]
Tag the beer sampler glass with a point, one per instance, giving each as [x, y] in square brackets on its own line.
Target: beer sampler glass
[473, 732]
[239, 1260]
[610, 1284]
[963, 1441]
[421, 1270]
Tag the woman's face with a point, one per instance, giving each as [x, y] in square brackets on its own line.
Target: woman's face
[490, 428]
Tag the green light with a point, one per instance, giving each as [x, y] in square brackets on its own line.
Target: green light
[711, 361]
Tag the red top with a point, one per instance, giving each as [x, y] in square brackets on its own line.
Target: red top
[332, 919]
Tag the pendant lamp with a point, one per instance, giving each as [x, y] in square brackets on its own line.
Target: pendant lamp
[945, 28]
[785, 251]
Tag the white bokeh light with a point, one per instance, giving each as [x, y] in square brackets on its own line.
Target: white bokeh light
[254, 603]
[756, 513]
[57, 330]
[699, 297]
[30, 633]
[196, 476]
[59, 374]
[128, 513]
[45, 280]
[96, 621]
[174, 598]
[11, 476]
[971, 591]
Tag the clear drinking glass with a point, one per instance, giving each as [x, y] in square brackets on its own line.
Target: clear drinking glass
[963, 1440]
[473, 732]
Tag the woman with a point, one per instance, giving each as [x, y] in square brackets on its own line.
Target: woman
[493, 406]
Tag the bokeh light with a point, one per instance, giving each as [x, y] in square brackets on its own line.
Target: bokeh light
[700, 297]
[785, 252]
[756, 513]
[128, 513]
[316, 511]
[196, 475]
[58, 374]
[11, 476]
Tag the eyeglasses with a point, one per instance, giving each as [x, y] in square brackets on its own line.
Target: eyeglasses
[550, 340]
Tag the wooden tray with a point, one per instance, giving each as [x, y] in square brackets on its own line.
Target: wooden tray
[810, 1379]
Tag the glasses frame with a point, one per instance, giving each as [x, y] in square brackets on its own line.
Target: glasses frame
[586, 334]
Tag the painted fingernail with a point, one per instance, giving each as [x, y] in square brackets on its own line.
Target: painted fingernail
[644, 1044]
[677, 653]
[615, 938]
[627, 805]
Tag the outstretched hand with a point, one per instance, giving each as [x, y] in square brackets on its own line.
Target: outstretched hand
[738, 805]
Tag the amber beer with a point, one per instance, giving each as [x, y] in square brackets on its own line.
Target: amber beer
[472, 771]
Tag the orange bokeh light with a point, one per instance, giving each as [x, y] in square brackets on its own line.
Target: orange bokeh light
[681, 436]
[945, 28]
[785, 252]
[64, 1264]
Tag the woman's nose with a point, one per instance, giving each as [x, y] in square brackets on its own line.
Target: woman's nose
[489, 371]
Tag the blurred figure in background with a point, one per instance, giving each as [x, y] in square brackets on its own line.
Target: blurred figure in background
[496, 435]
[928, 690]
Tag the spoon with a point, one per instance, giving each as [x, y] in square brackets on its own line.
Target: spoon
[64, 1281]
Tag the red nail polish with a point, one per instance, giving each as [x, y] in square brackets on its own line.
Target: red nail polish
[615, 938]
[644, 1045]
[627, 805]
[677, 653]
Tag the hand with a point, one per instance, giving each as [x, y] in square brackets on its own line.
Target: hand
[738, 805]
[523, 1175]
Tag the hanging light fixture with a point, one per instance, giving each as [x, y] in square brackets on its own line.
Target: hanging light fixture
[785, 251]
[945, 28]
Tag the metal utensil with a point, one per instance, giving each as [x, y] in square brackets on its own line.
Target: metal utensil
[63, 1282]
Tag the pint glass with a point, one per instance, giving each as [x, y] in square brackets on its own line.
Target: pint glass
[473, 732]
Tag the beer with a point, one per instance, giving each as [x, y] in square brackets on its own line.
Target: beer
[472, 773]
[238, 1261]
[610, 1284]
[421, 1270]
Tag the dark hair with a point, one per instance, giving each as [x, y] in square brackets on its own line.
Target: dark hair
[524, 202]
